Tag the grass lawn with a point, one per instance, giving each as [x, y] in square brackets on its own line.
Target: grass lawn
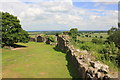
[37, 60]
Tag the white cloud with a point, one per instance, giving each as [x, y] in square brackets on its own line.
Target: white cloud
[96, 0]
[55, 15]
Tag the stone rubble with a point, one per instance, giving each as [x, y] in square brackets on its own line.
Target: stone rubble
[87, 68]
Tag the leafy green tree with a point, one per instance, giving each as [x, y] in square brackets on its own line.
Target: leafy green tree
[66, 32]
[101, 36]
[118, 57]
[115, 37]
[112, 30]
[12, 31]
[86, 35]
[73, 33]
[118, 25]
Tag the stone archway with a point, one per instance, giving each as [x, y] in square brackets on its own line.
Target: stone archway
[39, 39]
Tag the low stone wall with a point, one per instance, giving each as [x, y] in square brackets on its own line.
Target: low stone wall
[88, 68]
[42, 38]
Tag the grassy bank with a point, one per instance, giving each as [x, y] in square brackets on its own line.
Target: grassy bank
[37, 60]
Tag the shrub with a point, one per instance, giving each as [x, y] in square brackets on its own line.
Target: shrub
[73, 33]
[101, 36]
[104, 51]
[115, 37]
[85, 47]
[118, 58]
[112, 49]
[97, 41]
[51, 38]
[95, 36]
[90, 36]
[86, 35]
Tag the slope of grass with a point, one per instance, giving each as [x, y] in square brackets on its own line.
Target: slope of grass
[37, 60]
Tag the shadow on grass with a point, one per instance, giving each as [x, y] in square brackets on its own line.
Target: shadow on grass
[18, 46]
[58, 49]
[72, 68]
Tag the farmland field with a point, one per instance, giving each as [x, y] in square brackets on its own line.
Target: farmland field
[37, 60]
[91, 36]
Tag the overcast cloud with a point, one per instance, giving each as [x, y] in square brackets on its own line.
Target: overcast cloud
[62, 15]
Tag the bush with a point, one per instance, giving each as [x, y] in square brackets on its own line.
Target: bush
[111, 47]
[115, 37]
[104, 51]
[97, 41]
[51, 38]
[73, 33]
[90, 36]
[95, 36]
[101, 36]
[85, 47]
[118, 58]
[86, 35]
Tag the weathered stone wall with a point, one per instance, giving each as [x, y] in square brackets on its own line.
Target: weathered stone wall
[40, 38]
[88, 68]
[32, 39]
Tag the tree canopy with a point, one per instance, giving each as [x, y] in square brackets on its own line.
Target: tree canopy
[12, 31]
[73, 33]
[113, 29]
[115, 37]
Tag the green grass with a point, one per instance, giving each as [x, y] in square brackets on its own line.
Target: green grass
[38, 60]
[88, 39]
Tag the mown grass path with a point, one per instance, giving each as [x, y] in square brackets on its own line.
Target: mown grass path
[38, 60]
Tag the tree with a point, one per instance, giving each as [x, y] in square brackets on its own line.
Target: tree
[115, 37]
[101, 36]
[73, 33]
[12, 31]
[113, 29]
[118, 58]
[86, 35]
[118, 25]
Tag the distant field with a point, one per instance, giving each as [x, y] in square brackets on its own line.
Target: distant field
[38, 60]
[32, 34]
[88, 39]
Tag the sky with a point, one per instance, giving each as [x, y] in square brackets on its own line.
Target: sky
[43, 15]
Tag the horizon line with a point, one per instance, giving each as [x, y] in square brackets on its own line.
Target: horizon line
[61, 30]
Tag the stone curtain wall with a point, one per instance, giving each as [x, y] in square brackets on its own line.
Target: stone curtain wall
[87, 67]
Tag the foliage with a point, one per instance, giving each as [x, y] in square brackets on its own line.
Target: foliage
[103, 49]
[86, 35]
[12, 31]
[119, 25]
[112, 30]
[73, 33]
[115, 37]
[118, 57]
[97, 41]
[101, 36]
[95, 36]
[51, 38]
[85, 47]
[65, 32]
